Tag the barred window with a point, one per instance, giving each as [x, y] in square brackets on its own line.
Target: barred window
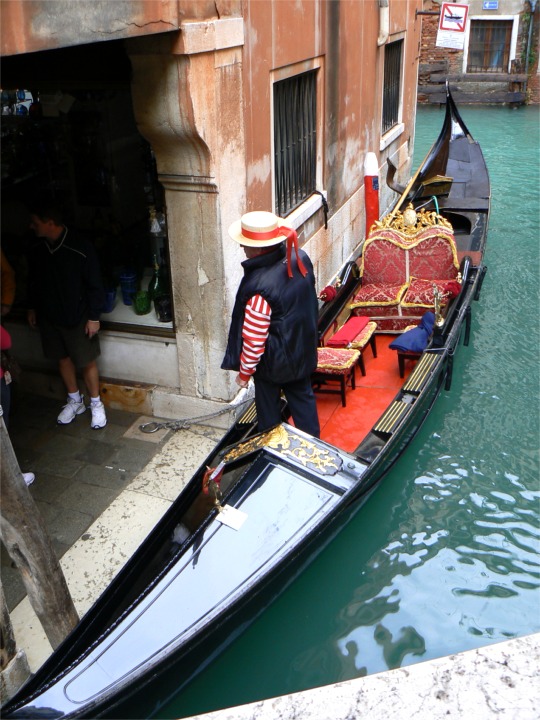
[489, 46]
[392, 85]
[295, 140]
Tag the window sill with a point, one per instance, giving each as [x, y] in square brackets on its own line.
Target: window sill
[308, 208]
[124, 318]
[125, 315]
[391, 135]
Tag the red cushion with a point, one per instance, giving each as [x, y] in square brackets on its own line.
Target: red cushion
[435, 256]
[383, 261]
[336, 361]
[379, 294]
[361, 340]
[348, 332]
[420, 293]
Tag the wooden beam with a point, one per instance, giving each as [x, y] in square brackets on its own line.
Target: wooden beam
[463, 98]
[8, 647]
[435, 89]
[433, 67]
[25, 537]
[478, 77]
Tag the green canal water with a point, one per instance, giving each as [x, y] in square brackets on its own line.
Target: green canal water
[444, 556]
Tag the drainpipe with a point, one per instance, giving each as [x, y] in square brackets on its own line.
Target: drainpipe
[532, 3]
[384, 21]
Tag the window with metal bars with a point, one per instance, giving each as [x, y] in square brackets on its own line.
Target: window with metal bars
[489, 46]
[392, 85]
[295, 140]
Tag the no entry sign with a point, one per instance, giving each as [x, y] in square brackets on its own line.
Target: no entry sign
[452, 26]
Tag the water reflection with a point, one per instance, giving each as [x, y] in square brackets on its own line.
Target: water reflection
[463, 544]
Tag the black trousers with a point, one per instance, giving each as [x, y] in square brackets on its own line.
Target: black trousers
[301, 401]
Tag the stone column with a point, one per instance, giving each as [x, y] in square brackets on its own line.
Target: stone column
[187, 95]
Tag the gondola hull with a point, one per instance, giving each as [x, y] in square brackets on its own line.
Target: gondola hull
[212, 564]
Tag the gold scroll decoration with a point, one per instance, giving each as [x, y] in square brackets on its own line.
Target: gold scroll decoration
[300, 449]
[410, 223]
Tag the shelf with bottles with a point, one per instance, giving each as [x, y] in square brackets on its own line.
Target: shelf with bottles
[126, 314]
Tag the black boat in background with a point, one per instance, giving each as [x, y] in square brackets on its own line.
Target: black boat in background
[238, 534]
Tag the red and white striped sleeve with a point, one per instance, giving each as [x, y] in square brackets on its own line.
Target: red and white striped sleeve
[254, 334]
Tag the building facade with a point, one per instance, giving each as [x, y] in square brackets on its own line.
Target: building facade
[159, 123]
[499, 61]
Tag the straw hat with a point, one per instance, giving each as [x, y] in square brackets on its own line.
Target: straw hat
[259, 229]
[264, 229]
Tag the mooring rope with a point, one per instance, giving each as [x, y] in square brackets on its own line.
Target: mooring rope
[244, 396]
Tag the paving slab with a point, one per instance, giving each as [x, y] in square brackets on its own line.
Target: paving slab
[497, 681]
[99, 521]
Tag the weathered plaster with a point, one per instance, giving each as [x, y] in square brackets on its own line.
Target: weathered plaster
[194, 128]
[47, 24]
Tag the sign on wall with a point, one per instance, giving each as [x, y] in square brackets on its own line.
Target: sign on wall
[452, 25]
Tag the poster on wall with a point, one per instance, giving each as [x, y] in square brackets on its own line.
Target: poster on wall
[452, 25]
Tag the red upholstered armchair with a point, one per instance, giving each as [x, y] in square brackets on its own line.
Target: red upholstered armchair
[400, 265]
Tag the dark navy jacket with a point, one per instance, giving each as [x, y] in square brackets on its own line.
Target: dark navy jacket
[64, 284]
[291, 348]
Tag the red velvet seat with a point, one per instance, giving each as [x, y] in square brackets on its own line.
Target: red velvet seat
[335, 365]
[356, 334]
[399, 268]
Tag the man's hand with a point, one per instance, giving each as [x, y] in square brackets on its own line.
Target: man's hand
[31, 317]
[92, 328]
[242, 383]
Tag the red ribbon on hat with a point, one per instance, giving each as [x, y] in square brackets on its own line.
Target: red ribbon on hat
[292, 239]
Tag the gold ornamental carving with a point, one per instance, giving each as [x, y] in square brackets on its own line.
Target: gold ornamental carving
[288, 444]
[410, 222]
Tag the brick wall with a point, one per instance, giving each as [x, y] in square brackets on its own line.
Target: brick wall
[453, 59]
[429, 52]
[533, 85]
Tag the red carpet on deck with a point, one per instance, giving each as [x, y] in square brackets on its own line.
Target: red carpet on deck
[345, 427]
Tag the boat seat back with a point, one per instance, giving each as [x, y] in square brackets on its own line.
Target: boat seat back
[400, 264]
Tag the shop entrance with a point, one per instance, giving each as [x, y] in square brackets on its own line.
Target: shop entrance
[68, 130]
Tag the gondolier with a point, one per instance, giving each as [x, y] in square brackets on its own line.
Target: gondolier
[189, 592]
[273, 332]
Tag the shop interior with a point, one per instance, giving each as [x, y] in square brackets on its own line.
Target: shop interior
[68, 131]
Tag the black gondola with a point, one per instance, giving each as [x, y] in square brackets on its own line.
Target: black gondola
[216, 560]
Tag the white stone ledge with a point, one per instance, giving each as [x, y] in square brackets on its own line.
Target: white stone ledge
[391, 135]
[496, 681]
[308, 208]
[202, 37]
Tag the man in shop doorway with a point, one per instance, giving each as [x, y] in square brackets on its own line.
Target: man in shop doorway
[65, 295]
[273, 333]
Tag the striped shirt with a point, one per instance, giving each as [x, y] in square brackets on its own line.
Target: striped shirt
[254, 334]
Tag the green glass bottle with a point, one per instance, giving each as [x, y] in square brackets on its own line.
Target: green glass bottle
[154, 286]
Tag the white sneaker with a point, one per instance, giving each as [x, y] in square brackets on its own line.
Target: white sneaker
[99, 419]
[70, 410]
[29, 478]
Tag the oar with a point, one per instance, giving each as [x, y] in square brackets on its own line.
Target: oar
[409, 186]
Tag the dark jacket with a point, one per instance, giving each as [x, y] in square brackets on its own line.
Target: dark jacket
[291, 348]
[64, 283]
